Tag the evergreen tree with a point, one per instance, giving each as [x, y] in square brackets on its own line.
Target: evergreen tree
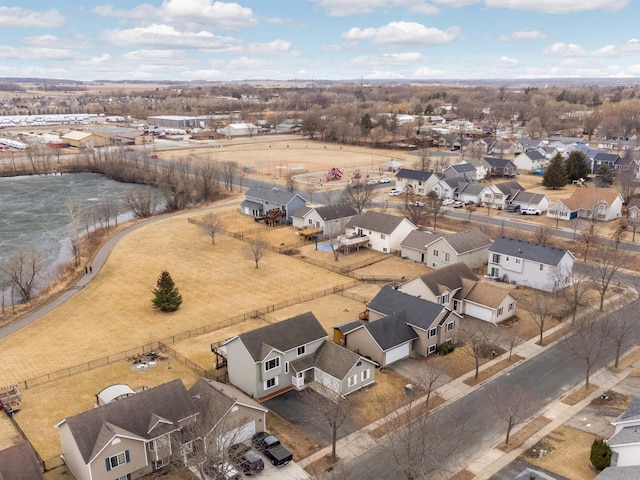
[577, 166]
[600, 454]
[555, 176]
[366, 124]
[605, 175]
[166, 298]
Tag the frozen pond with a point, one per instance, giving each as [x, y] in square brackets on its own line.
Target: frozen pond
[33, 212]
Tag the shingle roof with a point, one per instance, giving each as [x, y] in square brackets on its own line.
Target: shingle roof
[418, 312]
[299, 213]
[528, 197]
[510, 187]
[471, 189]
[499, 162]
[531, 474]
[413, 174]
[349, 326]
[19, 463]
[419, 239]
[339, 210]
[391, 331]
[335, 360]
[450, 277]
[626, 436]
[631, 413]
[133, 415]
[487, 294]
[283, 336]
[376, 222]
[272, 195]
[463, 168]
[534, 252]
[620, 473]
[588, 197]
[606, 157]
[468, 240]
[534, 155]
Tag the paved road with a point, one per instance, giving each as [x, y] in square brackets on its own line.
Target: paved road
[468, 425]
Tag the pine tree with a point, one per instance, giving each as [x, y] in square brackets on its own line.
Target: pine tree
[555, 176]
[600, 454]
[605, 175]
[577, 166]
[166, 298]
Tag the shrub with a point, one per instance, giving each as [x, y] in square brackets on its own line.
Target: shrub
[445, 348]
[600, 454]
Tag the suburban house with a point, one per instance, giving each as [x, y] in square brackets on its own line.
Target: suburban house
[526, 144]
[531, 200]
[457, 288]
[399, 326]
[597, 204]
[260, 201]
[499, 195]
[19, 462]
[226, 415]
[289, 354]
[436, 251]
[132, 436]
[633, 211]
[416, 181]
[531, 160]
[328, 220]
[625, 442]
[470, 193]
[464, 171]
[483, 169]
[542, 267]
[448, 187]
[384, 232]
[604, 158]
[501, 167]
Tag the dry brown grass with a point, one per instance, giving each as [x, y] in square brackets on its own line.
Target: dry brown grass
[579, 394]
[568, 453]
[455, 364]
[9, 436]
[493, 369]
[628, 360]
[320, 465]
[521, 435]
[300, 443]
[463, 474]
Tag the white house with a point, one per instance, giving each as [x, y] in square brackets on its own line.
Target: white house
[416, 181]
[384, 232]
[531, 160]
[542, 267]
[625, 442]
[483, 169]
[499, 195]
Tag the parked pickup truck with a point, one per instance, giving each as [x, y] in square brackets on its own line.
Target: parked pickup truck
[271, 447]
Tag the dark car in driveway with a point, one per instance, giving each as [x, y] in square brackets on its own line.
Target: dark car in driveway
[513, 208]
[246, 458]
[271, 447]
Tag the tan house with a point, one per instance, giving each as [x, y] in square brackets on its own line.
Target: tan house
[599, 204]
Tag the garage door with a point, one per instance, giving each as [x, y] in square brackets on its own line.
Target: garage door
[397, 353]
[478, 312]
[237, 435]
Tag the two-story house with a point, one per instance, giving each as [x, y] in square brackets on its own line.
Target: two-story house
[499, 195]
[534, 265]
[625, 442]
[501, 167]
[288, 354]
[384, 232]
[464, 171]
[595, 205]
[436, 251]
[331, 219]
[415, 181]
[260, 200]
[531, 160]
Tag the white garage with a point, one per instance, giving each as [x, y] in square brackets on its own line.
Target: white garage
[397, 353]
[479, 311]
[237, 435]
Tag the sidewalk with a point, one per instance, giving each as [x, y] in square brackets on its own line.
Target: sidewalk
[492, 459]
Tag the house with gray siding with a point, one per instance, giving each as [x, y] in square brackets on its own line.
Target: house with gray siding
[464, 171]
[332, 219]
[289, 354]
[415, 181]
[259, 200]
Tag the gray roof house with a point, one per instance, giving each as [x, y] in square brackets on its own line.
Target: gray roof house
[331, 219]
[383, 232]
[465, 171]
[470, 193]
[603, 158]
[436, 250]
[19, 462]
[531, 160]
[501, 167]
[131, 436]
[499, 195]
[417, 181]
[625, 442]
[620, 473]
[260, 200]
[538, 266]
[529, 199]
[288, 354]
[399, 325]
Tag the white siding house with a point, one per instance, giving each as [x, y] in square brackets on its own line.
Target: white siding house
[385, 232]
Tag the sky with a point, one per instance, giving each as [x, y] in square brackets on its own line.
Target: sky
[190, 40]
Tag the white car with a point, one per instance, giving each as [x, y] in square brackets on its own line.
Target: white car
[447, 201]
[373, 181]
[394, 192]
[458, 204]
[385, 180]
[416, 204]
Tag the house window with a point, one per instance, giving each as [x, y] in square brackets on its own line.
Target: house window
[499, 311]
[541, 267]
[518, 260]
[286, 367]
[445, 299]
[124, 477]
[383, 236]
[310, 222]
[447, 257]
[432, 348]
[302, 350]
[435, 253]
[384, 249]
[433, 332]
[272, 382]
[117, 460]
[158, 443]
[365, 375]
[271, 364]
[187, 448]
[511, 306]
[353, 379]
[495, 258]
[434, 265]
[450, 326]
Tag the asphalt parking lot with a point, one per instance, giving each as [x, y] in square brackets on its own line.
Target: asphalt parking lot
[298, 408]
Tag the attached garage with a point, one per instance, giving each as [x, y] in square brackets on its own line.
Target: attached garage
[237, 435]
[397, 353]
[479, 311]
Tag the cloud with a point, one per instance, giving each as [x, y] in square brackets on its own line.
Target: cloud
[508, 62]
[456, 3]
[565, 50]
[189, 14]
[524, 34]
[343, 8]
[409, 33]
[397, 59]
[559, 6]
[426, 72]
[52, 41]
[15, 17]
[31, 53]
[631, 47]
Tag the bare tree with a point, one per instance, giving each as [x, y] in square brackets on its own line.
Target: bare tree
[358, 195]
[229, 170]
[255, 249]
[627, 182]
[510, 339]
[75, 211]
[542, 235]
[413, 209]
[540, 305]
[588, 340]
[633, 221]
[210, 226]
[23, 268]
[479, 339]
[143, 202]
[433, 204]
[603, 269]
[207, 174]
[575, 293]
[622, 329]
[512, 405]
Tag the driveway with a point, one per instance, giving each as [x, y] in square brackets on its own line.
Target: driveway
[417, 370]
[301, 409]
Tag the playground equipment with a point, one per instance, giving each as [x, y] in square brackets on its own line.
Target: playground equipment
[10, 399]
[334, 174]
[355, 175]
[580, 183]
[271, 217]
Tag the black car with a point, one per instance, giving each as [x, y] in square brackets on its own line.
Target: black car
[246, 458]
[513, 208]
[271, 448]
